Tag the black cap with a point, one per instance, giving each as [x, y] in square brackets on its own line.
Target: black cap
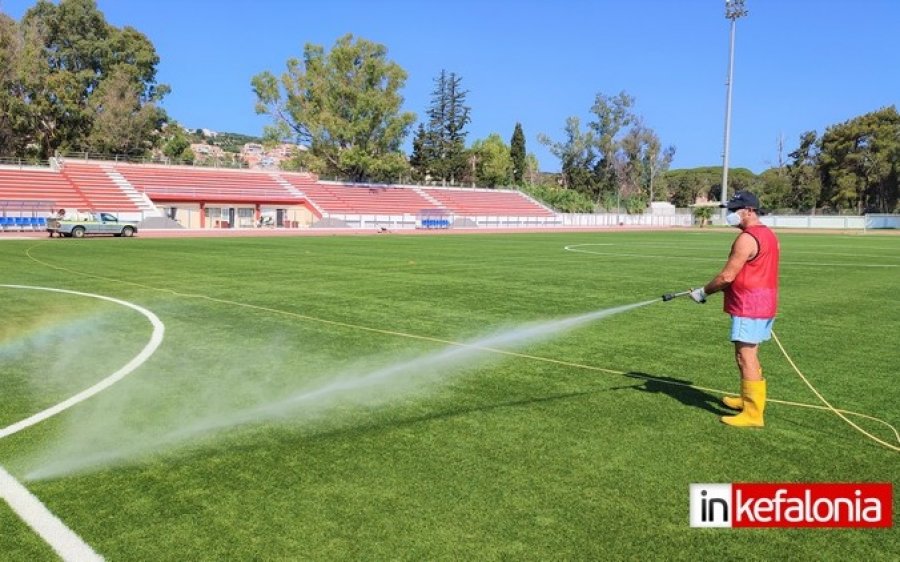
[742, 200]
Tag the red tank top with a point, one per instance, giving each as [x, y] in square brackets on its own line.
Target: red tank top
[754, 292]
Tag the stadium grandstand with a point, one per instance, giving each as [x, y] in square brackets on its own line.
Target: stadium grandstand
[474, 202]
[197, 197]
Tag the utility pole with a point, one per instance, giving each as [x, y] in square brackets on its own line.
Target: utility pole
[734, 9]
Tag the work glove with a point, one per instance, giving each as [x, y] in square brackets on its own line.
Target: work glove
[699, 295]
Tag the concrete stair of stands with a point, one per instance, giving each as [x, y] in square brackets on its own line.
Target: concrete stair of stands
[329, 222]
[143, 203]
[159, 222]
[537, 202]
[463, 222]
[427, 196]
[293, 189]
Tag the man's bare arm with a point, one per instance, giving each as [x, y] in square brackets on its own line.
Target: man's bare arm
[743, 250]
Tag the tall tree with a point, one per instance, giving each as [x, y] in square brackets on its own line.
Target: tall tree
[344, 104]
[803, 172]
[455, 127]
[518, 154]
[639, 159]
[577, 155]
[774, 188]
[177, 145]
[686, 186]
[448, 116]
[64, 55]
[82, 51]
[420, 159]
[120, 122]
[532, 169]
[11, 99]
[656, 161]
[617, 154]
[493, 161]
[612, 115]
[859, 162]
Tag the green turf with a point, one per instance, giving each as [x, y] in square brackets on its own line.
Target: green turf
[507, 458]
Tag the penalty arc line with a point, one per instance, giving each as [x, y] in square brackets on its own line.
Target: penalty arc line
[65, 542]
[155, 340]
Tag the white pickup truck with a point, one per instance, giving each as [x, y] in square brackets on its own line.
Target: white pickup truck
[90, 223]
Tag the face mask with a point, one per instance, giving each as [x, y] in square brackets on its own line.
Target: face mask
[733, 219]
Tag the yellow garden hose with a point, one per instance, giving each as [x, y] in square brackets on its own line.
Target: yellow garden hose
[837, 412]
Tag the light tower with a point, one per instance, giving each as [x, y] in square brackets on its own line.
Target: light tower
[734, 9]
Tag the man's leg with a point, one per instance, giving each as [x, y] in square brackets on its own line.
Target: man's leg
[745, 354]
[753, 387]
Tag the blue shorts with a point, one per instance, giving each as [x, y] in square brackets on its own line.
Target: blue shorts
[751, 330]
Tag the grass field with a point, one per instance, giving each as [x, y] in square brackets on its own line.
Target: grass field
[229, 443]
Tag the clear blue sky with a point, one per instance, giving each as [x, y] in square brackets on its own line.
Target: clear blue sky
[799, 64]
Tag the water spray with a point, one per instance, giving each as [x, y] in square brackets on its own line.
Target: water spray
[370, 387]
[403, 376]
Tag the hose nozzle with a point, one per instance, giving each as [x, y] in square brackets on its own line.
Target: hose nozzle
[669, 296]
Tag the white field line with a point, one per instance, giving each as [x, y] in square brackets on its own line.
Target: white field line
[61, 539]
[577, 248]
[893, 256]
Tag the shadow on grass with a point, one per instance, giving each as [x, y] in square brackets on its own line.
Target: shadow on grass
[678, 389]
[403, 421]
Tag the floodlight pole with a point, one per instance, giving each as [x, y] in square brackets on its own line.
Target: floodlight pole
[734, 9]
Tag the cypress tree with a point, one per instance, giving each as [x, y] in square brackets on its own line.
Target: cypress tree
[517, 152]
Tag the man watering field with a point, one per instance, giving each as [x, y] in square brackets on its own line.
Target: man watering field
[750, 282]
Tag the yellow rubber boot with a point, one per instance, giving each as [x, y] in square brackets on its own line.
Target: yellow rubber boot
[736, 402]
[754, 395]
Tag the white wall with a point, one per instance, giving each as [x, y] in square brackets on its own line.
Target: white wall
[623, 219]
[882, 221]
[814, 221]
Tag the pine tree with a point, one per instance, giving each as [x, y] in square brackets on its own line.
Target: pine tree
[448, 116]
[457, 119]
